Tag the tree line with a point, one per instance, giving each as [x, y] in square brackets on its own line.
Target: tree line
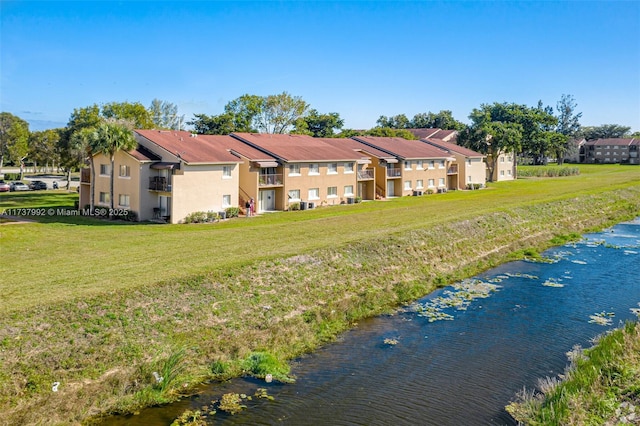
[536, 132]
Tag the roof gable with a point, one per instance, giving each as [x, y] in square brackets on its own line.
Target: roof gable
[192, 149]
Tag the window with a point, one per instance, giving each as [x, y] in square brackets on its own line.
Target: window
[508, 172]
[419, 164]
[332, 168]
[123, 200]
[407, 165]
[501, 159]
[294, 169]
[469, 179]
[407, 185]
[226, 172]
[105, 170]
[125, 171]
[501, 172]
[432, 164]
[441, 164]
[615, 147]
[348, 167]
[294, 195]
[419, 184]
[314, 169]
[432, 183]
[314, 194]
[441, 182]
[509, 159]
[104, 198]
[348, 190]
[226, 200]
[332, 192]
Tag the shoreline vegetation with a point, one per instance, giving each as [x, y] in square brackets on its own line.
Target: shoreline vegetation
[103, 322]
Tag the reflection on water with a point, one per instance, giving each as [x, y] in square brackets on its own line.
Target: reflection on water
[455, 372]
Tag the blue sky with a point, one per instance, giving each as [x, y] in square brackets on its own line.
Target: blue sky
[361, 59]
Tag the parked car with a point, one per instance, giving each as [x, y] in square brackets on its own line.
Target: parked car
[37, 184]
[4, 186]
[18, 186]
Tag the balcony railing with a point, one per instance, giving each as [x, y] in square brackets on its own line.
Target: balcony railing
[395, 172]
[272, 179]
[365, 174]
[85, 175]
[158, 183]
[453, 169]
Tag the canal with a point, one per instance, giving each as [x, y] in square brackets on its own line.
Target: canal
[455, 357]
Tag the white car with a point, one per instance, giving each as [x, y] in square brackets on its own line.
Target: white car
[18, 186]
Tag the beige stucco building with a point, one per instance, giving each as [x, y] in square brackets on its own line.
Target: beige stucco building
[408, 167]
[470, 165]
[285, 170]
[168, 176]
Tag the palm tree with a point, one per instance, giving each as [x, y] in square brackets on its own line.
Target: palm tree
[111, 137]
[85, 142]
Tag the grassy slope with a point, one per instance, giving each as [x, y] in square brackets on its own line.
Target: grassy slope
[282, 282]
[96, 256]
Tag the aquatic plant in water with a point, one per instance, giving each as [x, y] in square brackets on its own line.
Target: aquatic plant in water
[460, 297]
[552, 282]
[602, 318]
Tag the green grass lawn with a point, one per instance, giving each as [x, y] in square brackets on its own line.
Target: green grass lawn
[62, 257]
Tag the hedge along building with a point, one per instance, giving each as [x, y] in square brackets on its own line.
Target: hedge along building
[307, 171]
[168, 176]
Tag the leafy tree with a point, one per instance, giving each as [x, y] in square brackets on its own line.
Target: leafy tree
[280, 112]
[568, 124]
[243, 112]
[109, 138]
[399, 121]
[568, 119]
[43, 147]
[14, 138]
[134, 112]
[604, 131]
[635, 135]
[319, 125]
[212, 124]
[165, 115]
[441, 120]
[493, 131]
[390, 133]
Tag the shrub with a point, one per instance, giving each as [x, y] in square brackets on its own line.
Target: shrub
[196, 217]
[131, 216]
[358, 199]
[429, 191]
[294, 206]
[474, 185]
[262, 363]
[232, 211]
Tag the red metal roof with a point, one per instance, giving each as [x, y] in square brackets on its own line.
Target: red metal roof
[451, 147]
[614, 141]
[192, 148]
[297, 148]
[404, 148]
[357, 146]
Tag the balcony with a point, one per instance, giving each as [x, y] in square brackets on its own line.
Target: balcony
[453, 169]
[365, 174]
[270, 179]
[158, 183]
[394, 172]
[85, 176]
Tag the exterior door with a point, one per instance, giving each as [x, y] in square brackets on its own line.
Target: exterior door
[267, 200]
[390, 188]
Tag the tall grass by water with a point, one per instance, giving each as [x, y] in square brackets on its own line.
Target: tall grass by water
[99, 306]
